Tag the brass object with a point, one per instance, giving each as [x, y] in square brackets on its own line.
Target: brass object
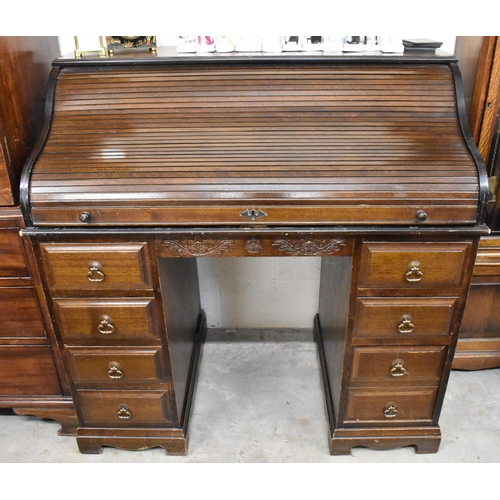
[105, 326]
[398, 370]
[390, 410]
[253, 213]
[121, 42]
[85, 217]
[90, 45]
[421, 215]
[124, 412]
[405, 325]
[95, 273]
[115, 370]
[414, 273]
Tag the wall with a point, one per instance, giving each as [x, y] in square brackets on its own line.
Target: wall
[259, 293]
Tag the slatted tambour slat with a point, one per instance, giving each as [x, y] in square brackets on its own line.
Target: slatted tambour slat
[306, 143]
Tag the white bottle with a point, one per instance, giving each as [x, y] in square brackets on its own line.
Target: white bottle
[224, 44]
[333, 43]
[248, 44]
[391, 44]
[293, 43]
[205, 44]
[186, 44]
[272, 43]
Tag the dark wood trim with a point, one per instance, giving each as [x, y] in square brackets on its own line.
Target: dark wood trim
[59, 409]
[460, 231]
[169, 55]
[201, 332]
[464, 124]
[24, 194]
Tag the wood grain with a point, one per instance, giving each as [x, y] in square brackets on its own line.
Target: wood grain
[321, 136]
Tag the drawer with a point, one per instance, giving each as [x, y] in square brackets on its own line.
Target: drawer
[377, 366]
[126, 408]
[107, 321]
[414, 266]
[390, 406]
[115, 367]
[403, 318]
[28, 370]
[487, 265]
[13, 262]
[99, 267]
[21, 317]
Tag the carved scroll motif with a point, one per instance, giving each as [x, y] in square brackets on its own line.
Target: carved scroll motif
[253, 245]
[199, 246]
[309, 246]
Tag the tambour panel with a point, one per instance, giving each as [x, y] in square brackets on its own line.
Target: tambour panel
[316, 134]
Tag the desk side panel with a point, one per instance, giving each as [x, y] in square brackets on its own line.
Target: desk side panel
[333, 316]
[181, 302]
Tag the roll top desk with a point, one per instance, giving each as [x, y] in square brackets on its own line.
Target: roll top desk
[151, 161]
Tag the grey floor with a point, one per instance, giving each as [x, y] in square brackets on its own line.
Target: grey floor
[259, 399]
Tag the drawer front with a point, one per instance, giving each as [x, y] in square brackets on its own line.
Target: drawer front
[106, 321]
[126, 408]
[6, 195]
[28, 370]
[21, 317]
[13, 262]
[115, 367]
[403, 318]
[396, 366]
[390, 406]
[413, 266]
[99, 267]
[487, 265]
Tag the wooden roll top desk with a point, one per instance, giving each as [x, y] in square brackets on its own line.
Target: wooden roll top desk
[150, 161]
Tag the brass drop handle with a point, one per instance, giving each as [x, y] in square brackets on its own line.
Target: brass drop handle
[398, 370]
[124, 412]
[405, 324]
[105, 326]
[390, 410]
[115, 370]
[414, 273]
[95, 273]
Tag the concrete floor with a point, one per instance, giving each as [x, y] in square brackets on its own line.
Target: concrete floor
[259, 399]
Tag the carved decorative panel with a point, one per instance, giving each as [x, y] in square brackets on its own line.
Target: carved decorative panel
[199, 246]
[309, 246]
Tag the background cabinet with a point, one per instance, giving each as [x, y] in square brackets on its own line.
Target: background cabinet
[31, 380]
[479, 343]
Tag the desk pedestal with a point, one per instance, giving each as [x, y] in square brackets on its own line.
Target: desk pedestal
[130, 329]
